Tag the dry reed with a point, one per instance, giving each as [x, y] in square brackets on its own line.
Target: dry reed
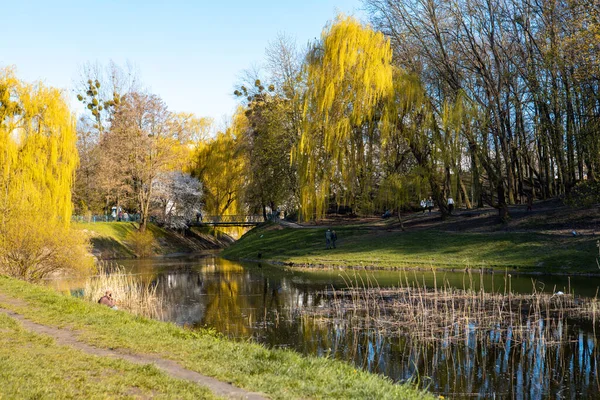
[129, 292]
[451, 315]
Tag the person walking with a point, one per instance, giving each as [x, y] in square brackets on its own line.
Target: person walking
[450, 205]
[423, 205]
[530, 202]
[333, 238]
[328, 238]
[430, 204]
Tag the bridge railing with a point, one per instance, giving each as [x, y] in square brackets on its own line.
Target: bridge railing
[105, 218]
[232, 219]
[205, 219]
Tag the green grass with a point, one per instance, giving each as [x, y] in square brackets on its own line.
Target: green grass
[358, 246]
[109, 239]
[35, 367]
[281, 374]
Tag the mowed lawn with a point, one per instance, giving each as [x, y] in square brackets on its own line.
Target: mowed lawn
[360, 246]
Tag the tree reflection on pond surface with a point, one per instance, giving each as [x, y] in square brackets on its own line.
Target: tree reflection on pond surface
[268, 304]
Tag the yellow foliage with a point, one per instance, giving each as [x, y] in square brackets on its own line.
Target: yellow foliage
[38, 158]
[348, 73]
[142, 242]
[221, 166]
[192, 132]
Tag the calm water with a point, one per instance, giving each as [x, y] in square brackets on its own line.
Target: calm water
[266, 304]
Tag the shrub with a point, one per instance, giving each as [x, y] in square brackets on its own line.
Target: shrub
[142, 243]
[584, 194]
[32, 249]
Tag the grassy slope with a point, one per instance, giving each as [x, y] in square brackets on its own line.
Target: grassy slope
[360, 246]
[34, 366]
[109, 239]
[278, 373]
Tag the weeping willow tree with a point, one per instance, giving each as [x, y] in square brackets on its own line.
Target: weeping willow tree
[431, 136]
[38, 158]
[220, 166]
[348, 73]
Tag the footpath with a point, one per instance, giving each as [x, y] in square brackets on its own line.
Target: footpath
[70, 338]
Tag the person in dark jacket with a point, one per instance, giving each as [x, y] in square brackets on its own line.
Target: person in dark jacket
[328, 239]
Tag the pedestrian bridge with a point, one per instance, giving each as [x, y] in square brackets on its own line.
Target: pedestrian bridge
[230, 220]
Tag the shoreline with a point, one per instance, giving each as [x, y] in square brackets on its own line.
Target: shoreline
[275, 373]
[438, 268]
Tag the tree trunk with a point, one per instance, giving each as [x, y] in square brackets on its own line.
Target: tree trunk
[400, 218]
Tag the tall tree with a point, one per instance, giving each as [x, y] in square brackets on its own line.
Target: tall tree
[141, 145]
[38, 158]
[100, 89]
[267, 142]
[221, 167]
[348, 73]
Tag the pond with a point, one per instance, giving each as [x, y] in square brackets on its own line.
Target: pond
[276, 306]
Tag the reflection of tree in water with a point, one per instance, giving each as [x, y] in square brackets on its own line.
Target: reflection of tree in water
[500, 367]
[224, 306]
[244, 303]
[181, 292]
[268, 306]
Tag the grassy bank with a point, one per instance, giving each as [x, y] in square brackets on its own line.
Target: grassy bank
[277, 373]
[111, 240]
[364, 246]
[35, 367]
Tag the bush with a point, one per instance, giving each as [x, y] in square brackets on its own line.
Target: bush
[584, 194]
[32, 249]
[142, 243]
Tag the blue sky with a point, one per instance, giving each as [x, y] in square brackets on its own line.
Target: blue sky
[191, 53]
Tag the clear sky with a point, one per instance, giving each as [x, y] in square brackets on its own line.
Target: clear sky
[191, 53]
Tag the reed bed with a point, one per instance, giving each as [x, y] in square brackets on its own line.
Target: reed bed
[442, 313]
[130, 292]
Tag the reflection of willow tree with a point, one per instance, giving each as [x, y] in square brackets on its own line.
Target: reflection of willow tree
[504, 368]
[269, 311]
[282, 320]
[224, 306]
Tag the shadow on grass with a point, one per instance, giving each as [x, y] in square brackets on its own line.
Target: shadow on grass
[531, 251]
[111, 248]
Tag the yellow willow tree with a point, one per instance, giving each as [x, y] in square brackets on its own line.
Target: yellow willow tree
[221, 165]
[348, 73]
[409, 116]
[192, 131]
[38, 158]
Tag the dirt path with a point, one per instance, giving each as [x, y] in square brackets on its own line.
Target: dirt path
[171, 368]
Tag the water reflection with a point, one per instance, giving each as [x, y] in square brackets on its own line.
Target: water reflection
[266, 304]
